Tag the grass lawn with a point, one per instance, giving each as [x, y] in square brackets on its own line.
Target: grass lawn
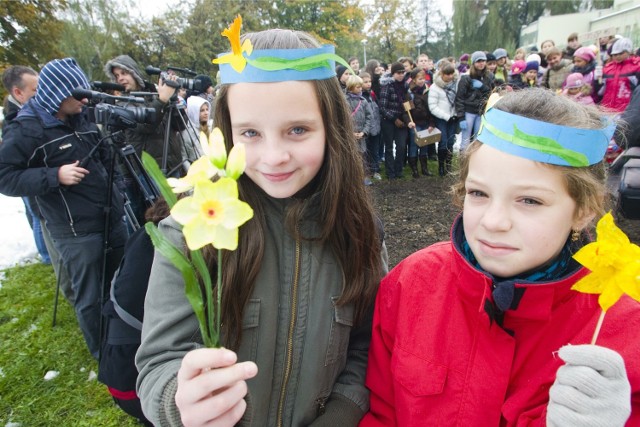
[31, 348]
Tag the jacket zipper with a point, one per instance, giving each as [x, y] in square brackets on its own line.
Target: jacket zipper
[292, 324]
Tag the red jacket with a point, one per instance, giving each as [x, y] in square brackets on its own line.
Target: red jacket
[437, 358]
[618, 89]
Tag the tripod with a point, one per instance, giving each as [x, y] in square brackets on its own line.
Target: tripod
[174, 123]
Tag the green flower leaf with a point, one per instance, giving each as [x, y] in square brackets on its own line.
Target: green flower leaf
[151, 166]
[180, 261]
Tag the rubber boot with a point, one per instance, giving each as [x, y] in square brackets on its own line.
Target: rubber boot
[413, 164]
[442, 154]
[448, 160]
[423, 166]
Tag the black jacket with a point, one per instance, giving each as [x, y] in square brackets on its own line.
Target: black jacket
[470, 99]
[37, 144]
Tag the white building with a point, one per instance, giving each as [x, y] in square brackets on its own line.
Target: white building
[622, 19]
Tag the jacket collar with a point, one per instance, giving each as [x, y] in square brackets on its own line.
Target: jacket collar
[535, 300]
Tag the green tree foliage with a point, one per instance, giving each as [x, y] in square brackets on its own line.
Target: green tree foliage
[393, 30]
[29, 31]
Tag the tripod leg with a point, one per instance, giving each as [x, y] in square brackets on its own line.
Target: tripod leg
[55, 300]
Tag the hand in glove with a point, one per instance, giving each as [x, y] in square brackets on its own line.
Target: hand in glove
[463, 124]
[591, 389]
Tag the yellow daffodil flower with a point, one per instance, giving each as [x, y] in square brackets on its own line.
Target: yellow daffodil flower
[236, 162]
[212, 215]
[214, 148]
[201, 170]
[614, 263]
[235, 58]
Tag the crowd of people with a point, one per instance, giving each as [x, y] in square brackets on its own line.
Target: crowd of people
[450, 94]
[485, 329]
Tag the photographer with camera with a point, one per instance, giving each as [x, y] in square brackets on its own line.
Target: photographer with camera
[53, 153]
[149, 137]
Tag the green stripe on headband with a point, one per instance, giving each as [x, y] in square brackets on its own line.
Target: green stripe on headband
[270, 63]
[543, 141]
[539, 143]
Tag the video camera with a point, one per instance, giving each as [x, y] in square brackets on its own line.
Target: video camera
[196, 84]
[112, 116]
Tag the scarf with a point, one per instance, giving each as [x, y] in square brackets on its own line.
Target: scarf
[584, 70]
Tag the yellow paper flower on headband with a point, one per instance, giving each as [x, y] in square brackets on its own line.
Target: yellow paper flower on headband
[614, 263]
[236, 57]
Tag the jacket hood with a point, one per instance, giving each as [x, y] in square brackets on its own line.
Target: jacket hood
[126, 63]
[194, 103]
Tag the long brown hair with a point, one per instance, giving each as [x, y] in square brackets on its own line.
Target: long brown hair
[336, 197]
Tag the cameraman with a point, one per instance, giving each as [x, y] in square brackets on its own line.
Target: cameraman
[41, 156]
[145, 137]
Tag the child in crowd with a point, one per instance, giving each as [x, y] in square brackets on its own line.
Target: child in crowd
[520, 54]
[515, 78]
[557, 71]
[442, 104]
[373, 140]
[473, 91]
[298, 291]
[361, 117]
[422, 119]
[576, 89]
[584, 62]
[501, 71]
[198, 112]
[530, 74]
[492, 65]
[486, 330]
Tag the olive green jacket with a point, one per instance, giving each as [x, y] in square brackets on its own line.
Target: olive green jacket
[293, 304]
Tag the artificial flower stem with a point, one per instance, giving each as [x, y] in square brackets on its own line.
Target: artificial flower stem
[598, 327]
[219, 297]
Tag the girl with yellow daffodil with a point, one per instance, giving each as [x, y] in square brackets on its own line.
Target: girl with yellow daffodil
[491, 329]
[297, 293]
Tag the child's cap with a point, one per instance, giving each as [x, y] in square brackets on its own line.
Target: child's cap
[622, 45]
[543, 141]
[500, 53]
[491, 57]
[585, 53]
[396, 67]
[246, 65]
[534, 57]
[531, 65]
[478, 55]
[518, 67]
[464, 57]
[574, 81]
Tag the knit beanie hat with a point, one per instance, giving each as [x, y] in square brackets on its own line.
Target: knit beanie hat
[518, 67]
[126, 63]
[531, 65]
[491, 57]
[478, 55]
[500, 53]
[201, 83]
[396, 67]
[574, 81]
[534, 57]
[464, 57]
[585, 53]
[56, 81]
[340, 69]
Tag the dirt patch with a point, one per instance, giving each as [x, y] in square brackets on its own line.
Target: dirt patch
[419, 212]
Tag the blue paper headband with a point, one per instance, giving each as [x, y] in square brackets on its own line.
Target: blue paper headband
[244, 65]
[277, 65]
[544, 142]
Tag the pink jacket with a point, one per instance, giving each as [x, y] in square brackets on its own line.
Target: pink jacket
[618, 77]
